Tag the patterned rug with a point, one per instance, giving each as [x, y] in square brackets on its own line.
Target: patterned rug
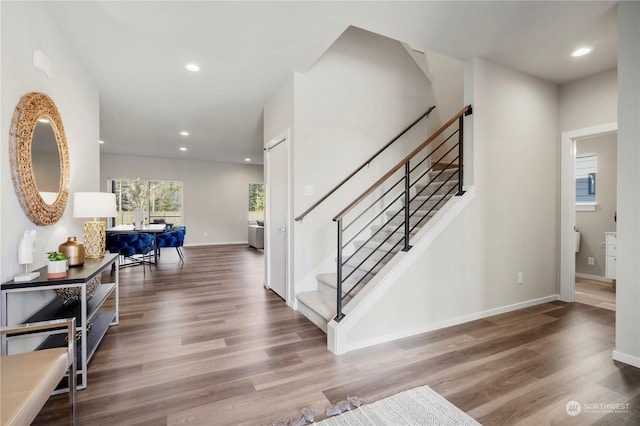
[417, 406]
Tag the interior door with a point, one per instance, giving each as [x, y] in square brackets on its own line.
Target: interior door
[276, 220]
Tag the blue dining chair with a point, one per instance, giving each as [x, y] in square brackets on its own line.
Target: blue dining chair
[134, 248]
[173, 237]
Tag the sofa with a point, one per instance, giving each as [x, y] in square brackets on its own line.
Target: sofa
[256, 235]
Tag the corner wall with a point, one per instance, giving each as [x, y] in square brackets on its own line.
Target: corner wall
[26, 26]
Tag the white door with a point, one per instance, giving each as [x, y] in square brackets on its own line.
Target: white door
[276, 218]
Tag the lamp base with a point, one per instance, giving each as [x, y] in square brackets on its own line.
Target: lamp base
[94, 239]
[29, 276]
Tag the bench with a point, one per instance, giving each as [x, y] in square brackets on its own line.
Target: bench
[28, 379]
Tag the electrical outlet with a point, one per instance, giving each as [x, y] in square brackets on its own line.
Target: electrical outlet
[591, 260]
[206, 234]
[520, 278]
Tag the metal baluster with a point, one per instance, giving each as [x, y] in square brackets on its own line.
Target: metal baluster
[339, 314]
[407, 201]
[460, 154]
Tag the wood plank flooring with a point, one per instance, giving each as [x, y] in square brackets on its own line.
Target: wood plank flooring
[205, 344]
[596, 293]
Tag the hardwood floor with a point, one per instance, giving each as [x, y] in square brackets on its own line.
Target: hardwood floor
[205, 344]
[596, 293]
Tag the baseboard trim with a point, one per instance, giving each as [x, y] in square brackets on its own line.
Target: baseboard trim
[229, 243]
[449, 322]
[594, 277]
[626, 358]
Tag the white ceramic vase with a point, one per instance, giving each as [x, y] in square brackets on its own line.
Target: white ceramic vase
[57, 268]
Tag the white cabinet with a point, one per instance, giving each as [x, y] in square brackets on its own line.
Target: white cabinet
[611, 252]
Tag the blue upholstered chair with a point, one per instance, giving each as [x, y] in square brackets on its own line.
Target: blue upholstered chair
[173, 237]
[134, 248]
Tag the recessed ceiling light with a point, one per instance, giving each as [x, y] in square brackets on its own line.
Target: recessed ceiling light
[247, 159]
[184, 133]
[581, 52]
[183, 148]
[101, 141]
[192, 67]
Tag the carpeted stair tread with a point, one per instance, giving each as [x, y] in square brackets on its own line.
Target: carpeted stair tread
[330, 280]
[419, 199]
[437, 188]
[442, 175]
[413, 220]
[368, 253]
[373, 265]
[320, 303]
[421, 207]
[373, 244]
[390, 229]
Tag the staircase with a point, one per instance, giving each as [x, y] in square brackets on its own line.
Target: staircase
[384, 219]
[369, 256]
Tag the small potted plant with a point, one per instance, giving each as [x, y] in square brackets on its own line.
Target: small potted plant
[58, 265]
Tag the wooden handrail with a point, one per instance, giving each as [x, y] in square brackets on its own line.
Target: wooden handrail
[464, 111]
[363, 165]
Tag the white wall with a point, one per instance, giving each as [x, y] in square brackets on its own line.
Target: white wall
[27, 26]
[628, 247]
[589, 101]
[278, 112]
[360, 94]
[510, 226]
[216, 194]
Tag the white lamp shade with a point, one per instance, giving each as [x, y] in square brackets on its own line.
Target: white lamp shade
[94, 204]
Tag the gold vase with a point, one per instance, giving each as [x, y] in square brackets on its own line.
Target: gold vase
[74, 250]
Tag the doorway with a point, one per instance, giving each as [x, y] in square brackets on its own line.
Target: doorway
[277, 216]
[568, 205]
[596, 188]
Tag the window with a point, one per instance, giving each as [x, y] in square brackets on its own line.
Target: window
[160, 201]
[586, 166]
[256, 202]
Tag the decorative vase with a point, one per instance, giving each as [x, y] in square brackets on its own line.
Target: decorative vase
[57, 269]
[74, 250]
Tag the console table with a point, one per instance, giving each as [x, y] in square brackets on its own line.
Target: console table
[86, 310]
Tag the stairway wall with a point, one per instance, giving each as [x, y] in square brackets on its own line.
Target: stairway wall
[510, 226]
[355, 98]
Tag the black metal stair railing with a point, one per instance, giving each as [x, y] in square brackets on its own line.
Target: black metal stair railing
[433, 173]
[366, 163]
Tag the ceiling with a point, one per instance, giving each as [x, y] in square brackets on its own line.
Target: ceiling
[137, 51]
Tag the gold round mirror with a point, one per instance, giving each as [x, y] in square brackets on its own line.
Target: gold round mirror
[39, 159]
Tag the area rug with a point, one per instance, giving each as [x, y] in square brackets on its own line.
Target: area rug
[417, 406]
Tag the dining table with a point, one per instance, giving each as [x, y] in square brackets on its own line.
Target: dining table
[152, 228]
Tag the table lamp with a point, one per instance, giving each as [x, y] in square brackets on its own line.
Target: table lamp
[94, 205]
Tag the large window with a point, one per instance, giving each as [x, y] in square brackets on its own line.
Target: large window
[159, 200]
[586, 169]
[256, 202]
